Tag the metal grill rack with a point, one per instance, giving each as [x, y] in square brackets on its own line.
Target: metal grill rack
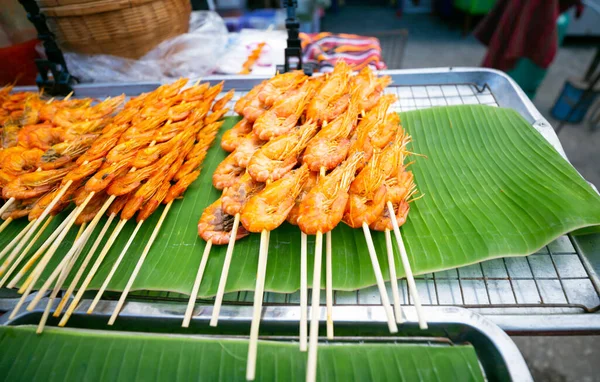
[558, 282]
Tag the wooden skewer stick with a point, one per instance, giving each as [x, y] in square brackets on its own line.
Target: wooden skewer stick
[36, 222]
[393, 278]
[412, 287]
[54, 293]
[14, 241]
[92, 272]
[139, 264]
[328, 279]
[385, 301]
[6, 223]
[37, 271]
[84, 265]
[223, 281]
[303, 292]
[39, 252]
[114, 267]
[258, 300]
[311, 373]
[190, 307]
[6, 204]
[16, 263]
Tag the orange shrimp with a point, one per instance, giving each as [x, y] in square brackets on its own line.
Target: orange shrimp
[41, 136]
[18, 162]
[169, 130]
[15, 189]
[222, 102]
[226, 173]
[234, 197]
[85, 127]
[231, 138]
[280, 155]
[19, 208]
[6, 178]
[385, 132]
[152, 204]
[292, 217]
[215, 116]
[106, 175]
[182, 184]
[194, 93]
[43, 202]
[118, 204]
[63, 153]
[40, 178]
[215, 225]
[10, 134]
[371, 87]
[92, 208]
[367, 195]
[127, 150]
[151, 154]
[247, 147]
[142, 195]
[249, 97]
[323, 207]
[268, 209]
[330, 146]
[273, 123]
[133, 180]
[332, 98]
[277, 86]
[384, 222]
[213, 92]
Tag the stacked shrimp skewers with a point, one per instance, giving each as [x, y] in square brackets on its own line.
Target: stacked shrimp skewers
[314, 152]
[147, 155]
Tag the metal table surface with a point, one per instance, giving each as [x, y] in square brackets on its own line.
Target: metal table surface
[554, 291]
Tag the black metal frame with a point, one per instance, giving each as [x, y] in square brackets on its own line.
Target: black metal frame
[53, 77]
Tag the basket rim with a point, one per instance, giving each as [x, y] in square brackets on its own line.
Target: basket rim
[94, 7]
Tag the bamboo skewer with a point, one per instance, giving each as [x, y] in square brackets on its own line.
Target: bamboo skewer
[138, 266]
[385, 301]
[16, 263]
[84, 265]
[6, 204]
[56, 289]
[223, 280]
[5, 224]
[412, 287]
[39, 252]
[257, 308]
[303, 292]
[92, 272]
[114, 267]
[311, 373]
[14, 241]
[398, 312]
[328, 285]
[190, 307]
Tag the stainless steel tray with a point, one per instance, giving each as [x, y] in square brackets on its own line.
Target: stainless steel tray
[498, 355]
[556, 290]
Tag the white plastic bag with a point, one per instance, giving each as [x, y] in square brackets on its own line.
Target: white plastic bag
[193, 54]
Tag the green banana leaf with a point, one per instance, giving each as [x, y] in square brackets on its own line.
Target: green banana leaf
[82, 355]
[493, 187]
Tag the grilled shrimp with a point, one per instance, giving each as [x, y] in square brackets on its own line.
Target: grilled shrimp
[330, 146]
[83, 171]
[324, 205]
[267, 209]
[332, 98]
[277, 86]
[106, 175]
[92, 208]
[231, 138]
[182, 184]
[152, 204]
[215, 225]
[222, 102]
[371, 87]
[41, 136]
[247, 147]
[234, 197]
[65, 152]
[226, 173]
[280, 155]
[20, 208]
[17, 160]
[252, 95]
[367, 194]
[215, 116]
[40, 206]
[292, 217]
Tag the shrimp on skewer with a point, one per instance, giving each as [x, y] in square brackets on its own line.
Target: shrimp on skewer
[248, 98]
[277, 86]
[226, 173]
[278, 156]
[371, 87]
[246, 149]
[333, 97]
[222, 102]
[264, 212]
[231, 137]
[215, 225]
[283, 116]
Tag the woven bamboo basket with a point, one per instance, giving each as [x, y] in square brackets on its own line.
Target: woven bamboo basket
[126, 28]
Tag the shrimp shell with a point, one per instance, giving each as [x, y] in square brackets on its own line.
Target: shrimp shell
[215, 225]
[226, 173]
[268, 209]
[234, 197]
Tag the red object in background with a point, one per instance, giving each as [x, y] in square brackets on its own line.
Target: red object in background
[17, 63]
[522, 28]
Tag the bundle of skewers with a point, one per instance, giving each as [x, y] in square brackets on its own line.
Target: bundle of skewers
[314, 152]
[144, 156]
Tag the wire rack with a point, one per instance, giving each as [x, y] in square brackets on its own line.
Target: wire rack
[555, 278]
